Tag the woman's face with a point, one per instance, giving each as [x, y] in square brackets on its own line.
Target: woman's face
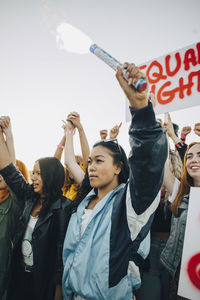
[36, 179]
[101, 169]
[3, 185]
[193, 162]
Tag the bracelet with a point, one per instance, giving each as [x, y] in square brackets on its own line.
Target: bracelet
[60, 146]
[183, 136]
[179, 144]
[69, 132]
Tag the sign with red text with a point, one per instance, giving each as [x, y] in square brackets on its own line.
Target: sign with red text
[174, 79]
[189, 282]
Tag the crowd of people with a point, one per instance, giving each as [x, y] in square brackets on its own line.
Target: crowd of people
[102, 226]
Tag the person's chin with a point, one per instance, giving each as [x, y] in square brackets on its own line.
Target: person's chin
[37, 190]
[94, 184]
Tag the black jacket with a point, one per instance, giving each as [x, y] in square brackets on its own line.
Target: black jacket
[47, 237]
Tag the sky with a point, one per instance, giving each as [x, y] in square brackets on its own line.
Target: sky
[41, 84]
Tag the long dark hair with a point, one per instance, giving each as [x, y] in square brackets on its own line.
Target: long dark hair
[53, 176]
[119, 158]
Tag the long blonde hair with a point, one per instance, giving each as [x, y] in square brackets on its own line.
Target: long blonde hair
[185, 184]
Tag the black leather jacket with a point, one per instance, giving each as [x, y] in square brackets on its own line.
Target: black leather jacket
[47, 238]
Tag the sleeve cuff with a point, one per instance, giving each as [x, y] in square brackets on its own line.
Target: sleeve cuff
[8, 170]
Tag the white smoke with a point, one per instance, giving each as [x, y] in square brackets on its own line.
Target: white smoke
[72, 39]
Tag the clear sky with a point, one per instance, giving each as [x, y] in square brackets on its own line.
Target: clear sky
[41, 84]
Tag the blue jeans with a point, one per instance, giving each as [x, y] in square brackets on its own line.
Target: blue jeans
[155, 281]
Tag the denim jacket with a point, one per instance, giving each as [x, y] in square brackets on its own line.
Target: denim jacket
[172, 253]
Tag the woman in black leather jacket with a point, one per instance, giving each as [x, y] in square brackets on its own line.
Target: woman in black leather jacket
[37, 252]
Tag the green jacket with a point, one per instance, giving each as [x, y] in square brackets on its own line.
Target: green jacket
[10, 211]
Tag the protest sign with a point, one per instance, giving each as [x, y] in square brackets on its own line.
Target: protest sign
[174, 79]
[189, 282]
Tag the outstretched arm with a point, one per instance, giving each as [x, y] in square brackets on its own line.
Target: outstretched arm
[70, 160]
[74, 117]
[170, 130]
[148, 145]
[10, 173]
[115, 131]
[103, 134]
[179, 144]
[60, 148]
[197, 129]
[136, 100]
[5, 158]
[184, 132]
[7, 130]
[169, 178]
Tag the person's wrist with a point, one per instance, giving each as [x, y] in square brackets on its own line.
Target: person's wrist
[138, 104]
[8, 134]
[183, 136]
[80, 127]
[175, 139]
[69, 132]
[60, 146]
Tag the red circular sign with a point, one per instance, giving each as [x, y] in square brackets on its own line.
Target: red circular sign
[193, 270]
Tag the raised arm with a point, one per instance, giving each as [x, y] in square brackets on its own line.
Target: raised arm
[170, 131]
[115, 131]
[11, 175]
[197, 129]
[149, 145]
[70, 160]
[169, 178]
[60, 148]
[7, 130]
[103, 134]
[184, 132]
[5, 158]
[74, 117]
[179, 144]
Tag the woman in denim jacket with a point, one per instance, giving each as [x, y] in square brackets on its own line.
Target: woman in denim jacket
[172, 253]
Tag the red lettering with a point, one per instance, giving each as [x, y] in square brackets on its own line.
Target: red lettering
[142, 67]
[153, 89]
[183, 87]
[193, 74]
[165, 97]
[157, 75]
[198, 51]
[169, 94]
[189, 57]
[178, 64]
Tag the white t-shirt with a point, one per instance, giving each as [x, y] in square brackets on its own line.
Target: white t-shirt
[27, 250]
[85, 219]
[175, 190]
